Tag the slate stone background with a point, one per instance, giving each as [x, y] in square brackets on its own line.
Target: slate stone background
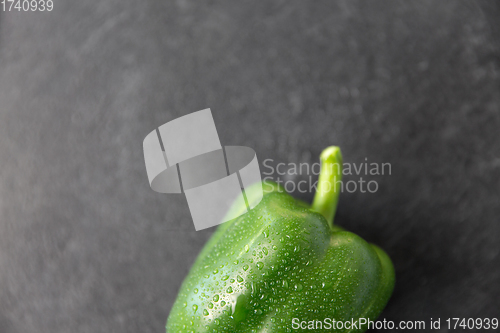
[87, 246]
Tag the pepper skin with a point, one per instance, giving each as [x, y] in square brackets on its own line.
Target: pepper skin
[284, 264]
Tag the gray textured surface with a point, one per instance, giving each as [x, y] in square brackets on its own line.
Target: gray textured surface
[86, 246]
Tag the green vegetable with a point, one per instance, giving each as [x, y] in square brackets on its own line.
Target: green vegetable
[283, 264]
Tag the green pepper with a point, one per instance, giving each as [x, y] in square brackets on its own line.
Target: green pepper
[285, 266]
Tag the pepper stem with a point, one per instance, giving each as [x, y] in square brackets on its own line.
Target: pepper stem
[329, 184]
